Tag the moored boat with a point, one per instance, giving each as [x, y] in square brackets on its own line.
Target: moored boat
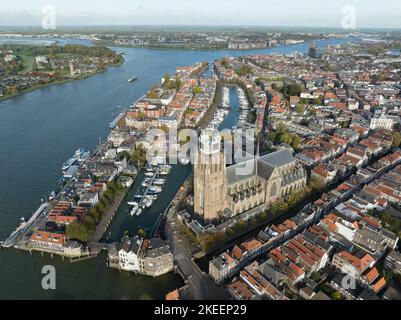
[52, 195]
[149, 203]
[159, 182]
[184, 160]
[134, 210]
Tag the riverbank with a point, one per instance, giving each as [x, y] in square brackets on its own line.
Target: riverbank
[59, 82]
[161, 48]
[204, 49]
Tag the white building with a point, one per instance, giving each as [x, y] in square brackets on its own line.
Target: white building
[129, 254]
[346, 229]
[111, 154]
[41, 60]
[117, 138]
[89, 199]
[353, 104]
[10, 58]
[382, 122]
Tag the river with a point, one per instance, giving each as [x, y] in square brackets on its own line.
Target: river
[39, 130]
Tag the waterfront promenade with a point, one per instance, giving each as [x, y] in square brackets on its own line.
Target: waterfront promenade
[107, 218]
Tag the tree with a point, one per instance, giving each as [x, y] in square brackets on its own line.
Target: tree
[173, 84]
[296, 142]
[317, 184]
[300, 109]
[197, 90]
[77, 231]
[376, 50]
[281, 129]
[315, 276]
[272, 137]
[95, 214]
[313, 111]
[251, 117]
[336, 296]
[89, 223]
[167, 79]
[210, 241]
[263, 216]
[396, 139]
[142, 233]
[139, 155]
[278, 208]
[244, 70]
[164, 128]
[125, 154]
[286, 139]
[291, 90]
[153, 93]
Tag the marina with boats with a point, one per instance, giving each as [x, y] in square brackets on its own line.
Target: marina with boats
[222, 112]
[244, 108]
[150, 189]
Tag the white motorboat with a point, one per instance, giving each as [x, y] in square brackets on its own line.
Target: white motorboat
[184, 160]
[164, 172]
[134, 210]
[139, 212]
[153, 197]
[52, 195]
[145, 184]
[155, 190]
[159, 182]
[149, 203]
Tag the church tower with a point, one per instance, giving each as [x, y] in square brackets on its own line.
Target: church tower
[210, 180]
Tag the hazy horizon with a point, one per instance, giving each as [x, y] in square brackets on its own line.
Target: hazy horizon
[200, 27]
[253, 13]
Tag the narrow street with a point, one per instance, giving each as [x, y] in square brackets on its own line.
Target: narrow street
[199, 284]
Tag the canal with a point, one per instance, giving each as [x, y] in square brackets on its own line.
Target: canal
[41, 129]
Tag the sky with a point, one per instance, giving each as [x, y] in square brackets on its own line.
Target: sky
[303, 13]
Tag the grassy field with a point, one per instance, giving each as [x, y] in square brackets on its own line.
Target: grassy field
[28, 62]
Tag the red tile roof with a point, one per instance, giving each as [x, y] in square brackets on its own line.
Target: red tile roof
[371, 275]
[379, 285]
[53, 238]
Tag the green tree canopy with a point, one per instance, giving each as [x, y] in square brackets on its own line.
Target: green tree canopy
[397, 139]
[197, 90]
[77, 231]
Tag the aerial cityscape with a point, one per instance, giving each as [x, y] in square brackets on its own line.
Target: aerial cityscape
[174, 160]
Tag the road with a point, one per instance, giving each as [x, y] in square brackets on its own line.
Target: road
[199, 284]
